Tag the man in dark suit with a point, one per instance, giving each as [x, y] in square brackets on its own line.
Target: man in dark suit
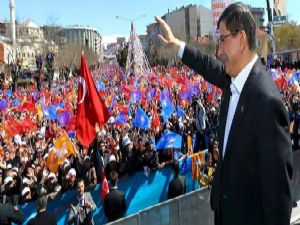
[276, 10]
[82, 208]
[177, 185]
[114, 203]
[10, 214]
[42, 217]
[252, 182]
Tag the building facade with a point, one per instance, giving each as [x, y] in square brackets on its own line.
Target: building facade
[30, 42]
[187, 24]
[190, 22]
[258, 14]
[145, 42]
[85, 36]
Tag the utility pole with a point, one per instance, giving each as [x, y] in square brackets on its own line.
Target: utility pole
[270, 28]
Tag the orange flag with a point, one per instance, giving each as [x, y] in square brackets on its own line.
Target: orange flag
[62, 149]
[39, 111]
[197, 161]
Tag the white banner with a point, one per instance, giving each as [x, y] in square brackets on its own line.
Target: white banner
[217, 8]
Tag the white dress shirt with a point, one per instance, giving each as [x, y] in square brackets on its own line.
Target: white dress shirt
[236, 88]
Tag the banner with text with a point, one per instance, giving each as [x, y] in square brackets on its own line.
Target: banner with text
[217, 8]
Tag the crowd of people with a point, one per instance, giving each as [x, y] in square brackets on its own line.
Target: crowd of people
[27, 137]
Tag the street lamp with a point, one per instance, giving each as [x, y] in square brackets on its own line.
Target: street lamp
[130, 20]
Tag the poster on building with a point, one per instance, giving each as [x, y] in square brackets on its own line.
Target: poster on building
[217, 8]
[279, 11]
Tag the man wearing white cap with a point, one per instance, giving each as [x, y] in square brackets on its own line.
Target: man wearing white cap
[12, 188]
[88, 172]
[48, 185]
[68, 182]
[111, 166]
[26, 195]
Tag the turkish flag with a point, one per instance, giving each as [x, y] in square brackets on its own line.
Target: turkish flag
[90, 107]
[155, 120]
[104, 186]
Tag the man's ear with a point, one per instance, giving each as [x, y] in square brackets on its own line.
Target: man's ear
[243, 43]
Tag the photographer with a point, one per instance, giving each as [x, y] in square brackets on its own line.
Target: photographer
[81, 209]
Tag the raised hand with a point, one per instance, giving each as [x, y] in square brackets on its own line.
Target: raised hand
[168, 39]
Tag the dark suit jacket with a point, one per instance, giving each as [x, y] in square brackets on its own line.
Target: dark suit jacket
[114, 205]
[176, 187]
[275, 13]
[43, 218]
[9, 215]
[252, 184]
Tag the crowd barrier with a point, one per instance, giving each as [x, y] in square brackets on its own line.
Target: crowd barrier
[141, 191]
[192, 208]
[148, 191]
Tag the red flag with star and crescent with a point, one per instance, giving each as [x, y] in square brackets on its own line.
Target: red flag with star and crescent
[90, 107]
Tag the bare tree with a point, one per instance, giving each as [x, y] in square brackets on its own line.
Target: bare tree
[69, 55]
[287, 36]
[53, 34]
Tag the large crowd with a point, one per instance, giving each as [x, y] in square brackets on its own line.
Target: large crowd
[27, 134]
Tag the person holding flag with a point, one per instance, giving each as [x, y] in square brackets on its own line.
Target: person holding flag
[90, 107]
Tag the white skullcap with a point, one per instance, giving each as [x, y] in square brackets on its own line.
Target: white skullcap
[26, 181]
[8, 166]
[8, 180]
[112, 158]
[181, 125]
[126, 141]
[25, 191]
[51, 175]
[72, 172]
[17, 139]
[16, 169]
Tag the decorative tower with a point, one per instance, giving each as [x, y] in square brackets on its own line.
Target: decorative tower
[137, 62]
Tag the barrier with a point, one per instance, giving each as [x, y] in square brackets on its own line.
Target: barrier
[189, 209]
[141, 191]
[194, 206]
